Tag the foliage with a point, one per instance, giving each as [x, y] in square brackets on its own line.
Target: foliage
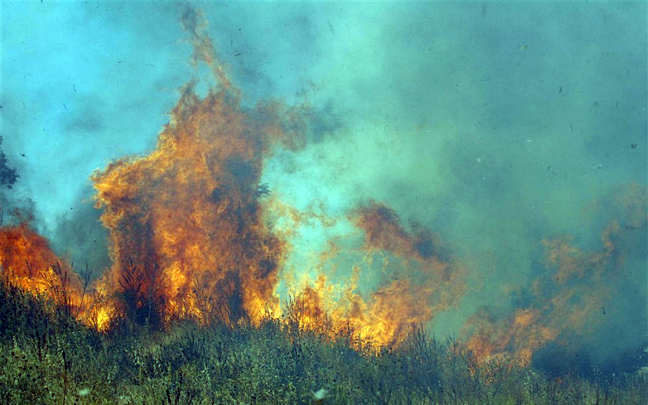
[46, 357]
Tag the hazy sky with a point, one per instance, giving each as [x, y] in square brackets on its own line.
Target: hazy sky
[495, 125]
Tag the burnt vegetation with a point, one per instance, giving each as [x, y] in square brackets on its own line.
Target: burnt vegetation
[48, 357]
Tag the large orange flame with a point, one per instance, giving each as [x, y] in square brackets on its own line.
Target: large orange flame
[189, 237]
[188, 217]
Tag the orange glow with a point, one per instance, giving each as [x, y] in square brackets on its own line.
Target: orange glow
[28, 263]
[191, 210]
[190, 240]
[188, 237]
[571, 300]
[416, 282]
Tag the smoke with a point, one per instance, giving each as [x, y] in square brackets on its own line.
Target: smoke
[502, 130]
[80, 237]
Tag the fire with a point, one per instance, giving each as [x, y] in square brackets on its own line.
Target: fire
[417, 280]
[567, 303]
[189, 216]
[27, 262]
[426, 281]
[190, 238]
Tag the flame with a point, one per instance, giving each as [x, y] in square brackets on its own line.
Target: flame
[417, 280]
[185, 222]
[426, 281]
[566, 303]
[29, 263]
[190, 238]
[188, 217]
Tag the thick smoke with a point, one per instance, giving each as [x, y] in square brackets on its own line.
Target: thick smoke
[81, 239]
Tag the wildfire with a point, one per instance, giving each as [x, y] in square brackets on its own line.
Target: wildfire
[27, 262]
[566, 304]
[190, 237]
[424, 283]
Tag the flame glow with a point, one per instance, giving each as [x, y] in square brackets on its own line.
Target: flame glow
[567, 303]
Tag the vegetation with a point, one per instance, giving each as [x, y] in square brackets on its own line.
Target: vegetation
[48, 358]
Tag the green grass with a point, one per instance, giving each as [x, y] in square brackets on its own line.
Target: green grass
[48, 358]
